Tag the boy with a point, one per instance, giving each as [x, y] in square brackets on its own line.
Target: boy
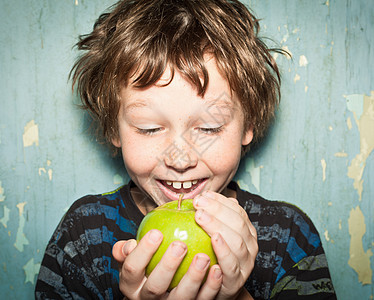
[182, 88]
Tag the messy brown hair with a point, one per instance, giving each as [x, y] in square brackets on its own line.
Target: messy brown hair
[138, 40]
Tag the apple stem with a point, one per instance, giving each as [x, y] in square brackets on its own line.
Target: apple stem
[180, 201]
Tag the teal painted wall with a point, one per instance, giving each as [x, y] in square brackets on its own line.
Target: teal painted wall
[319, 154]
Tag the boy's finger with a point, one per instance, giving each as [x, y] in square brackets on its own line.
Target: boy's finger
[135, 263]
[117, 251]
[239, 240]
[212, 285]
[229, 264]
[160, 278]
[227, 210]
[214, 197]
[189, 286]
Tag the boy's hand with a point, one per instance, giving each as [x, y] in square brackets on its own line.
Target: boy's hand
[234, 239]
[133, 259]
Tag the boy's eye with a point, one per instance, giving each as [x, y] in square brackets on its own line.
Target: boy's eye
[211, 130]
[148, 131]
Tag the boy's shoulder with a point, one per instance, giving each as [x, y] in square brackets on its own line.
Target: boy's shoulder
[89, 204]
[109, 204]
[285, 220]
[286, 238]
[113, 212]
[259, 207]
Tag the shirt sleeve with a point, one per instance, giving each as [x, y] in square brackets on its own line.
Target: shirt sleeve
[304, 272]
[77, 263]
[307, 279]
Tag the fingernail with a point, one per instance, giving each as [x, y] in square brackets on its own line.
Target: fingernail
[218, 238]
[202, 216]
[128, 247]
[178, 249]
[154, 236]
[201, 201]
[202, 262]
[217, 273]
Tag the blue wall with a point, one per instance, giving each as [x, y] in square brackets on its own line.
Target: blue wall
[319, 154]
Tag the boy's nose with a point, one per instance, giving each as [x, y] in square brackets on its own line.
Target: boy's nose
[180, 157]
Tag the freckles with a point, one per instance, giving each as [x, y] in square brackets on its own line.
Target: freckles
[225, 153]
[140, 157]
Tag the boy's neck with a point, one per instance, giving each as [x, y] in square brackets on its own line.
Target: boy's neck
[229, 193]
[143, 202]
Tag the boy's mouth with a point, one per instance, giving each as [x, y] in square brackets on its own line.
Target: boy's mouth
[184, 187]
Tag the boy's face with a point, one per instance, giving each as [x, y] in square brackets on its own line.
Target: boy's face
[174, 141]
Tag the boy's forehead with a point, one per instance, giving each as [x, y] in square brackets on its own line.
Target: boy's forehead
[173, 84]
[134, 101]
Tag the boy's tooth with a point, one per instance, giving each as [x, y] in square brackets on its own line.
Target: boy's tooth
[187, 184]
[169, 183]
[177, 185]
[194, 181]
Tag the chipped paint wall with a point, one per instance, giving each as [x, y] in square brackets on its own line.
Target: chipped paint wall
[319, 155]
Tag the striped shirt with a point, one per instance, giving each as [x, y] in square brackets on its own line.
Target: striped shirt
[78, 262]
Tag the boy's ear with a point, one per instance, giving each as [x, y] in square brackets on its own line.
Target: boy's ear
[116, 142]
[247, 136]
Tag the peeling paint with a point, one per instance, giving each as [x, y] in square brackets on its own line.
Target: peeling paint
[286, 36]
[255, 176]
[296, 30]
[327, 237]
[41, 170]
[2, 196]
[50, 171]
[355, 104]
[30, 134]
[31, 269]
[323, 164]
[21, 239]
[341, 154]
[117, 179]
[4, 220]
[50, 174]
[303, 62]
[359, 260]
[243, 185]
[365, 123]
[349, 123]
[326, 234]
[296, 78]
[255, 173]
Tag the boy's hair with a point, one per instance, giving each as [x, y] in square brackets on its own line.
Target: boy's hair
[137, 40]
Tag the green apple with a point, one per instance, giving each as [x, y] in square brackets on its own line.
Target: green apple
[177, 222]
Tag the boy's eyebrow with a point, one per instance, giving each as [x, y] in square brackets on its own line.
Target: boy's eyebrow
[227, 103]
[135, 104]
